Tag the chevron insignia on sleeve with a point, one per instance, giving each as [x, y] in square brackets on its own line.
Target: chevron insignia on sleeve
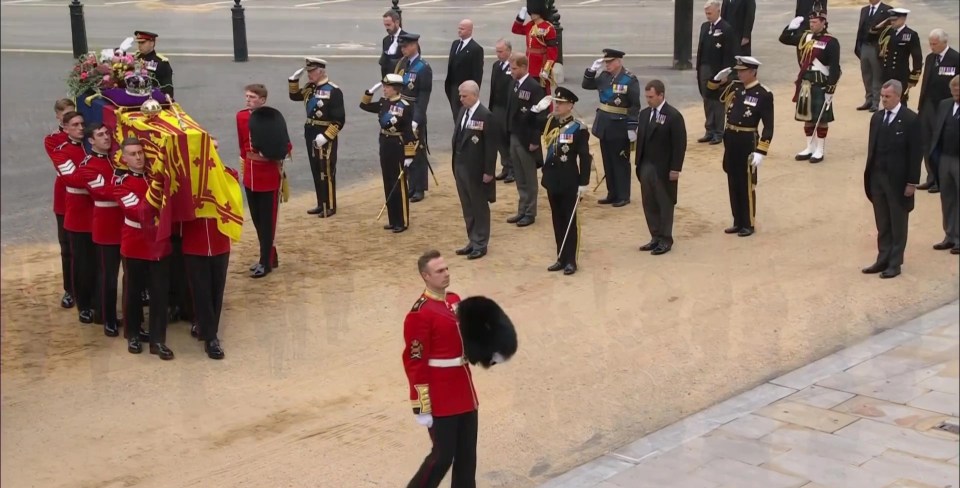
[131, 200]
[67, 168]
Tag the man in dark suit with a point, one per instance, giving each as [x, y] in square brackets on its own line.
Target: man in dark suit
[741, 14]
[524, 126]
[867, 51]
[465, 63]
[716, 50]
[475, 140]
[500, 83]
[945, 157]
[938, 69]
[390, 55]
[894, 151]
[661, 146]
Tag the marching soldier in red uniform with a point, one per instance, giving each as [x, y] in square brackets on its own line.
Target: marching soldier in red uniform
[101, 177]
[442, 394]
[68, 158]
[50, 142]
[541, 42]
[146, 261]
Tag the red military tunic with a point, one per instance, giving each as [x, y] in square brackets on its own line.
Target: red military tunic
[541, 42]
[138, 238]
[258, 175]
[439, 376]
[68, 158]
[50, 143]
[101, 179]
[201, 237]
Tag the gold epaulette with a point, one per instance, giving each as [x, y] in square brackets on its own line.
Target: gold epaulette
[162, 57]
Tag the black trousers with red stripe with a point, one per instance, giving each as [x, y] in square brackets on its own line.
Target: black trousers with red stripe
[741, 177]
[108, 270]
[263, 210]
[65, 256]
[208, 278]
[83, 263]
[140, 274]
[454, 443]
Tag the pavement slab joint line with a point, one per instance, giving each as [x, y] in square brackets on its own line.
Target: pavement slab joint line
[584, 474]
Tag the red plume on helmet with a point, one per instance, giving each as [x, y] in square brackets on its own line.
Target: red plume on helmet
[488, 334]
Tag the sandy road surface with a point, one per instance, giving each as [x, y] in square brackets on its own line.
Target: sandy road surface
[312, 392]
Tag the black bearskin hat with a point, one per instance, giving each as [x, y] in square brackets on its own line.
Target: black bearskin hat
[268, 133]
[486, 331]
[538, 7]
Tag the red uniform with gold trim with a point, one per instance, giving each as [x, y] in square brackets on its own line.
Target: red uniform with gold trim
[67, 158]
[440, 380]
[257, 175]
[541, 42]
[100, 178]
[50, 143]
[138, 238]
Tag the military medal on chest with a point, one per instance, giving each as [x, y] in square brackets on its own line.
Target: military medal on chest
[563, 158]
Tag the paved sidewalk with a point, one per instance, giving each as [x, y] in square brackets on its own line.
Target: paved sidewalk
[870, 416]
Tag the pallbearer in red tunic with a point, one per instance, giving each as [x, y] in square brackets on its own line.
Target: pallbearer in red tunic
[101, 177]
[68, 158]
[50, 142]
[541, 41]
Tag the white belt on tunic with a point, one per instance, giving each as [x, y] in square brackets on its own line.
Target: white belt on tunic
[105, 203]
[446, 363]
[77, 191]
[131, 223]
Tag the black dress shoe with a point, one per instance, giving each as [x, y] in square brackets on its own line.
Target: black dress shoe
[705, 138]
[731, 230]
[569, 269]
[501, 175]
[661, 249]
[477, 253]
[934, 189]
[398, 229]
[463, 251]
[133, 346]
[555, 266]
[650, 245]
[716, 140]
[873, 109]
[253, 267]
[110, 329]
[416, 197]
[195, 330]
[161, 349]
[67, 300]
[874, 268]
[943, 246]
[260, 272]
[514, 219]
[745, 232]
[891, 272]
[621, 203]
[865, 106]
[955, 250]
[509, 178]
[213, 349]
[605, 201]
[328, 213]
[388, 227]
[86, 316]
[526, 220]
[315, 210]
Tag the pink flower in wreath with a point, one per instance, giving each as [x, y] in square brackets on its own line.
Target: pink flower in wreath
[106, 78]
[143, 72]
[83, 76]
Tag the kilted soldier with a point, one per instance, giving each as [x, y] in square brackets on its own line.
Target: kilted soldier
[101, 177]
[541, 40]
[398, 146]
[50, 143]
[68, 158]
[898, 44]
[818, 54]
[566, 173]
[616, 121]
[146, 260]
[417, 85]
[748, 103]
[326, 117]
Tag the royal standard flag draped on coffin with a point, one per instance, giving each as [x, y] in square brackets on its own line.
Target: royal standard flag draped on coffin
[196, 184]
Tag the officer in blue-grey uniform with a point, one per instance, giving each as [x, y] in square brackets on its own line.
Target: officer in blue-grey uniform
[417, 84]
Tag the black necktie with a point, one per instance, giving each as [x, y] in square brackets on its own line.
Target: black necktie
[888, 118]
[460, 47]
[873, 10]
[516, 86]
[653, 117]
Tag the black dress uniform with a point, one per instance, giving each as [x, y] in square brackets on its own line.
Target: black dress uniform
[326, 116]
[616, 116]
[566, 168]
[157, 64]
[747, 107]
[417, 85]
[896, 49]
[938, 69]
[398, 143]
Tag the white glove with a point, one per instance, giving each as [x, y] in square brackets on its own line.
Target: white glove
[414, 124]
[828, 99]
[319, 141]
[722, 74]
[374, 88]
[596, 65]
[296, 75]
[425, 419]
[542, 104]
[632, 135]
[795, 23]
[581, 190]
[544, 74]
[406, 164]
[522, 14]
[757, 160]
